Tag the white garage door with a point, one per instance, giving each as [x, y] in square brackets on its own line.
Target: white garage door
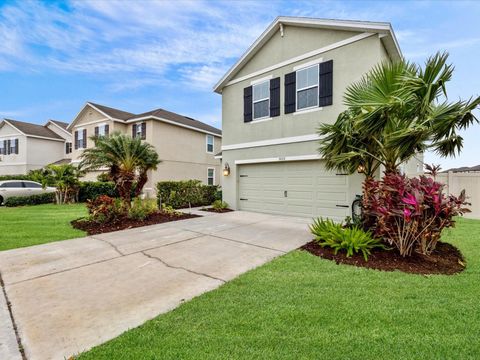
[299, 188]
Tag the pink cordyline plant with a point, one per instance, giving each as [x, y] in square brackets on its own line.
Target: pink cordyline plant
[410, 214]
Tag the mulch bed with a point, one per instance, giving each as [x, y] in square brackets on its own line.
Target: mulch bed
[445, 259]
[92, 227]
[217, 211]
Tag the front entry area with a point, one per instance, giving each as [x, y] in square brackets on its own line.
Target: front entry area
[295, 188]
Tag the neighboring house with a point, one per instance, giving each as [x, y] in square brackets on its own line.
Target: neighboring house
[25, 146]
[274, 97]
[185, 146]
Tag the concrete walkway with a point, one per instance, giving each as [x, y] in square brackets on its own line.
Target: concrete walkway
[69, 296]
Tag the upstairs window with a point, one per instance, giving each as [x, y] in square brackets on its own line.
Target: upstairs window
[139, 131]
[13, 146]
[210, 140]
[307, 87]
[81, 139]
[261, 100]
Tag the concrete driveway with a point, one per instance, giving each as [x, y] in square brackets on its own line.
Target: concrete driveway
[69, 296]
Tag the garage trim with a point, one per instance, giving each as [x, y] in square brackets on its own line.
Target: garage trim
[278, 159]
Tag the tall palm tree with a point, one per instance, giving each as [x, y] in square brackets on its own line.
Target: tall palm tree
[128, 160]
[394, 112]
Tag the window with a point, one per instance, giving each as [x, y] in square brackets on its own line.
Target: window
[68, 148]
[139, 131]
[13, 146]
[307, 87]
[211, 176]
[82, 142]
[210, 144]
[101, 130]
[32, 185]
[261, 100]
[2, 148]
[15, 184]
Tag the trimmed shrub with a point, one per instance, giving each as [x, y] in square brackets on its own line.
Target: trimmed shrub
[141, 209]
[46, 198]
[352, 240]
[182, 194]
[90, 190]
[219, 205]
[14, 177]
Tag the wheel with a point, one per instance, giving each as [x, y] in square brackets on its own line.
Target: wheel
[1, 200]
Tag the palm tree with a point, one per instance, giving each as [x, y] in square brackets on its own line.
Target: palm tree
[64, 177]
[394, 112]
[128, 160]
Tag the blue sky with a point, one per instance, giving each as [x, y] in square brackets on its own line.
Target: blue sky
[137, 56]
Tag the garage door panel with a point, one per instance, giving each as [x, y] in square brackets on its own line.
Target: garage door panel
[311, 191]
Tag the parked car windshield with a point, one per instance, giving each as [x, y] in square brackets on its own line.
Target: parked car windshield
[14, 184]
[29, 184]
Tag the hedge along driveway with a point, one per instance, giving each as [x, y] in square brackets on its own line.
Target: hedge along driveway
[33, 225]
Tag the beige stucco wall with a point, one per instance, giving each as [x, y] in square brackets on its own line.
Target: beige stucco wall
[88, 119]
[350, 62]
[182, 151]
[33, 153]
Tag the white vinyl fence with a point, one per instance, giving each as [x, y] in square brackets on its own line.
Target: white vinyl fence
[456, 182]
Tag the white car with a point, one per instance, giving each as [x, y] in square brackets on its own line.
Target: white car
[9, 188]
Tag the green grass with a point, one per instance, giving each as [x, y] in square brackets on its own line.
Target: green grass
[303, 307]
[33, 225]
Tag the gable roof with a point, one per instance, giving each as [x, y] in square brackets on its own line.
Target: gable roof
[180, 119]
[111, 112]
[30, 129]
[157, 114]
[62, 124]
[464, 169]
[384, 28]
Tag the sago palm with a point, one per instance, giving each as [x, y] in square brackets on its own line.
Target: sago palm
[394, 112]
[128, 160]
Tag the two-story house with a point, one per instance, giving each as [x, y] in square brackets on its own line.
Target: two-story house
[26, 146]
[185, 146]
[273, 99]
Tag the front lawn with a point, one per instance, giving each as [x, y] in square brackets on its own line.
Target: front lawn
[33, 225]
[303, 307]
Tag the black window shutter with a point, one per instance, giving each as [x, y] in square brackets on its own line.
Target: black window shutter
[134, 130]
[84, 138]
[247, 104]
[16, 146]
[76, 140]
[96, 131]
[107, 129]
[275, 97]
[290, 92]
[325, 91]
[8, 147]
[144, 131]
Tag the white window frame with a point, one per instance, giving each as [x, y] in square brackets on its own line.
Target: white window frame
[257, 101]
[138, 134]
[297, 90]
[82, 143]
[12, 149]
[213, 176]
[101, 128]
[213, 143]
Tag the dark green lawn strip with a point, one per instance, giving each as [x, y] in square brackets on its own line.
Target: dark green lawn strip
[303, 307]
[33, 225]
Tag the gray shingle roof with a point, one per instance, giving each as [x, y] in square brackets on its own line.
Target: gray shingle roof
[62, 124]
[115, 113]
[181, 119]
[34, 129]
[161, 113]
